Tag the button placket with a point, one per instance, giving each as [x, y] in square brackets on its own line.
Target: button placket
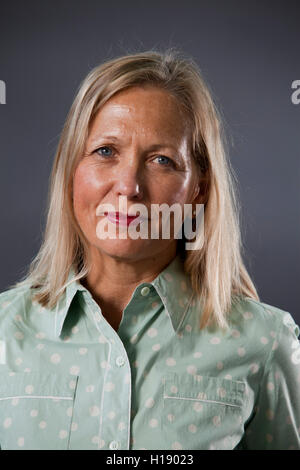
[116, 431]
[117, 401]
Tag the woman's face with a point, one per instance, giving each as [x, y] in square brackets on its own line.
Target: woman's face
[138, 148]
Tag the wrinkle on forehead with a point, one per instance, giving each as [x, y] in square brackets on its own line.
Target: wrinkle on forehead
[149, 113]
[114, 123]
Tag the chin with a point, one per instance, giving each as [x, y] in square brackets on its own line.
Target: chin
[131, 249]
[125, 249]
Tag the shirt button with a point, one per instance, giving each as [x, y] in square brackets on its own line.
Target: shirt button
[120, 361]
[145, 291]
[114, 445]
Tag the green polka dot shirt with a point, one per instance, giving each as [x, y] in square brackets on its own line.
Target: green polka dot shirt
[70, 381]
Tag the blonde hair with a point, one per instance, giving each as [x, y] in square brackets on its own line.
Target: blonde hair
[218, 275]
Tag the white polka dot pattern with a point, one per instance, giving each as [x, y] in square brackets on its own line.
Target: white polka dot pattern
[71, 381]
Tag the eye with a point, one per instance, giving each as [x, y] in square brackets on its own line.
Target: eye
[105, 154]
[164, 161]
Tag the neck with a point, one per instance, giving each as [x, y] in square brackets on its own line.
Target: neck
[112, 280]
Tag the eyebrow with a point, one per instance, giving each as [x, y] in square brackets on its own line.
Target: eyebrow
[152, 147]
[111, 137]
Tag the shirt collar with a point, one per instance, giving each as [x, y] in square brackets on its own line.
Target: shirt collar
[64, 302]
[173, 286]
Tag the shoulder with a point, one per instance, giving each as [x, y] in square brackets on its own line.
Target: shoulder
[262, 315]
[13, 302]
[265, 328]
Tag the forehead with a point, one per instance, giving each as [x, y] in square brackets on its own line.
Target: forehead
[147, 110]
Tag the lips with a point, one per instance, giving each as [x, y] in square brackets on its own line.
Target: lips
[120, 218]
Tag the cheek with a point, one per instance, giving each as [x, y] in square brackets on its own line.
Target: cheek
[87, 189]
[176, 189]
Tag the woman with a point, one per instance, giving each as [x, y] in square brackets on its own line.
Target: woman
[139, 343]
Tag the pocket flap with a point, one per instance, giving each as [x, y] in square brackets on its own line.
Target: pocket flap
[204, 388]
[36, 385]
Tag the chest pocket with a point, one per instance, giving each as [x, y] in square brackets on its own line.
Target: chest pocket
[202, 412]
[36, 410]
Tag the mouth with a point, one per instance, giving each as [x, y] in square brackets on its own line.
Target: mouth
[119, 218]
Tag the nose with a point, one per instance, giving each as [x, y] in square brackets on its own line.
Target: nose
[129, 182]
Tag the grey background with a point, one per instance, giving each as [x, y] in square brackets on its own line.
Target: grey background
[249, 53]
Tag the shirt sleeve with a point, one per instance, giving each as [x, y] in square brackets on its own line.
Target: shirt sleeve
[275, 424]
